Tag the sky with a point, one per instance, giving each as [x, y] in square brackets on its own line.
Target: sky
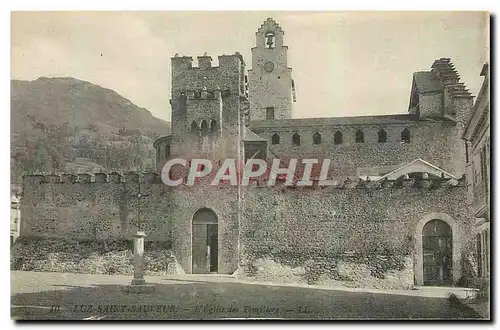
[344, 63]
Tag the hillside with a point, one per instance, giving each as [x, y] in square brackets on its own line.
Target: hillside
[57, 122]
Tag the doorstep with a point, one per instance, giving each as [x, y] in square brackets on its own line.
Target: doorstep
[443, 291]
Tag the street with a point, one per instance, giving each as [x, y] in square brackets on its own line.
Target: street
[59, 296]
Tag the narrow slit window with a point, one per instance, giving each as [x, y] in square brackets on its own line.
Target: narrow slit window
[405, 136]
[382, 136]
[337, 137]
[317, 138]
[360, 136]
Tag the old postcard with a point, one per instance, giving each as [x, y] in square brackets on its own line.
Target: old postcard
[250, 165]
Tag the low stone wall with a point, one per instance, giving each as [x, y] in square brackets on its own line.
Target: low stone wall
[377, 272]
[90, 257]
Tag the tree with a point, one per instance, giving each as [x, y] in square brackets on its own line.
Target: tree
[42, 161]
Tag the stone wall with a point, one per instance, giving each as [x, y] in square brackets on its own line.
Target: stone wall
[437, 142]
[344, 233]
[86, 207]
[334, 233]
[105, 207]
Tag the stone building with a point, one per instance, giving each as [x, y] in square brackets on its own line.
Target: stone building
[477, 137]
[397, 210]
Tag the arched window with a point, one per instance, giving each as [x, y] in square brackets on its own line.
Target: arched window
[316, 138]
[382, 136]
[296, 139]
[405, 136]
[337, 137]
[360, 136]
[275, 139]
[194, 127]
[167, 151]
[204, 127]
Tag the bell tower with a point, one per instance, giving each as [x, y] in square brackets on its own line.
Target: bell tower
[271, 88]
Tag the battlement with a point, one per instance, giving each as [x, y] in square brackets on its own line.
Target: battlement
[449, 78]
[205, 62]
[424, 182]
[353, 183]
[92, 178]
[203, 81]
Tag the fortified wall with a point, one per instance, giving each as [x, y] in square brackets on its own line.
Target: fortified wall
[352, 220]
[107, 207]
[345, 232]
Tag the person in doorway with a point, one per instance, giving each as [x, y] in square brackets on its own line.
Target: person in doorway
[208, 257]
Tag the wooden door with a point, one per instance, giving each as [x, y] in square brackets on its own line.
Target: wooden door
[201, 264]
[213, 242]
[437, 253]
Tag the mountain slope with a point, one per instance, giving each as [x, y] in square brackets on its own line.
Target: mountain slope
[78, 103]
[55, 121]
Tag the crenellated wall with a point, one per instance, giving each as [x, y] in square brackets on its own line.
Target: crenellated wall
[90, 206]
[352, 215]
[228, 75]
[106, 206]
[354, 224]
[206, 108]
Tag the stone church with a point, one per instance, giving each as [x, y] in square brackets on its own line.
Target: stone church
[400, 197]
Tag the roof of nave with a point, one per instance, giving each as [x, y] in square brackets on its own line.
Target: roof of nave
[443, 74]
[334, 121]
[427, 81]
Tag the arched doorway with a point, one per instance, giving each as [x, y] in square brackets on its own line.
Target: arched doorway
[437, 247]
[205, 242]
[454, 246]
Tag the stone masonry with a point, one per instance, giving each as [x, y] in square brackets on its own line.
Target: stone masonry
[364, 227]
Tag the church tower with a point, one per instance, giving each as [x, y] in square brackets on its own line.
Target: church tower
[271, 88]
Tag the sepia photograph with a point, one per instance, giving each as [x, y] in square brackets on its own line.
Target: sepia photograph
[250, 165]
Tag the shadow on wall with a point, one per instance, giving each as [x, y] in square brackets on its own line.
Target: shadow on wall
[376, 271]
[90, 257]
[199, 300]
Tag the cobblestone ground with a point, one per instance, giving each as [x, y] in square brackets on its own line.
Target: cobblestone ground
[52, 296]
